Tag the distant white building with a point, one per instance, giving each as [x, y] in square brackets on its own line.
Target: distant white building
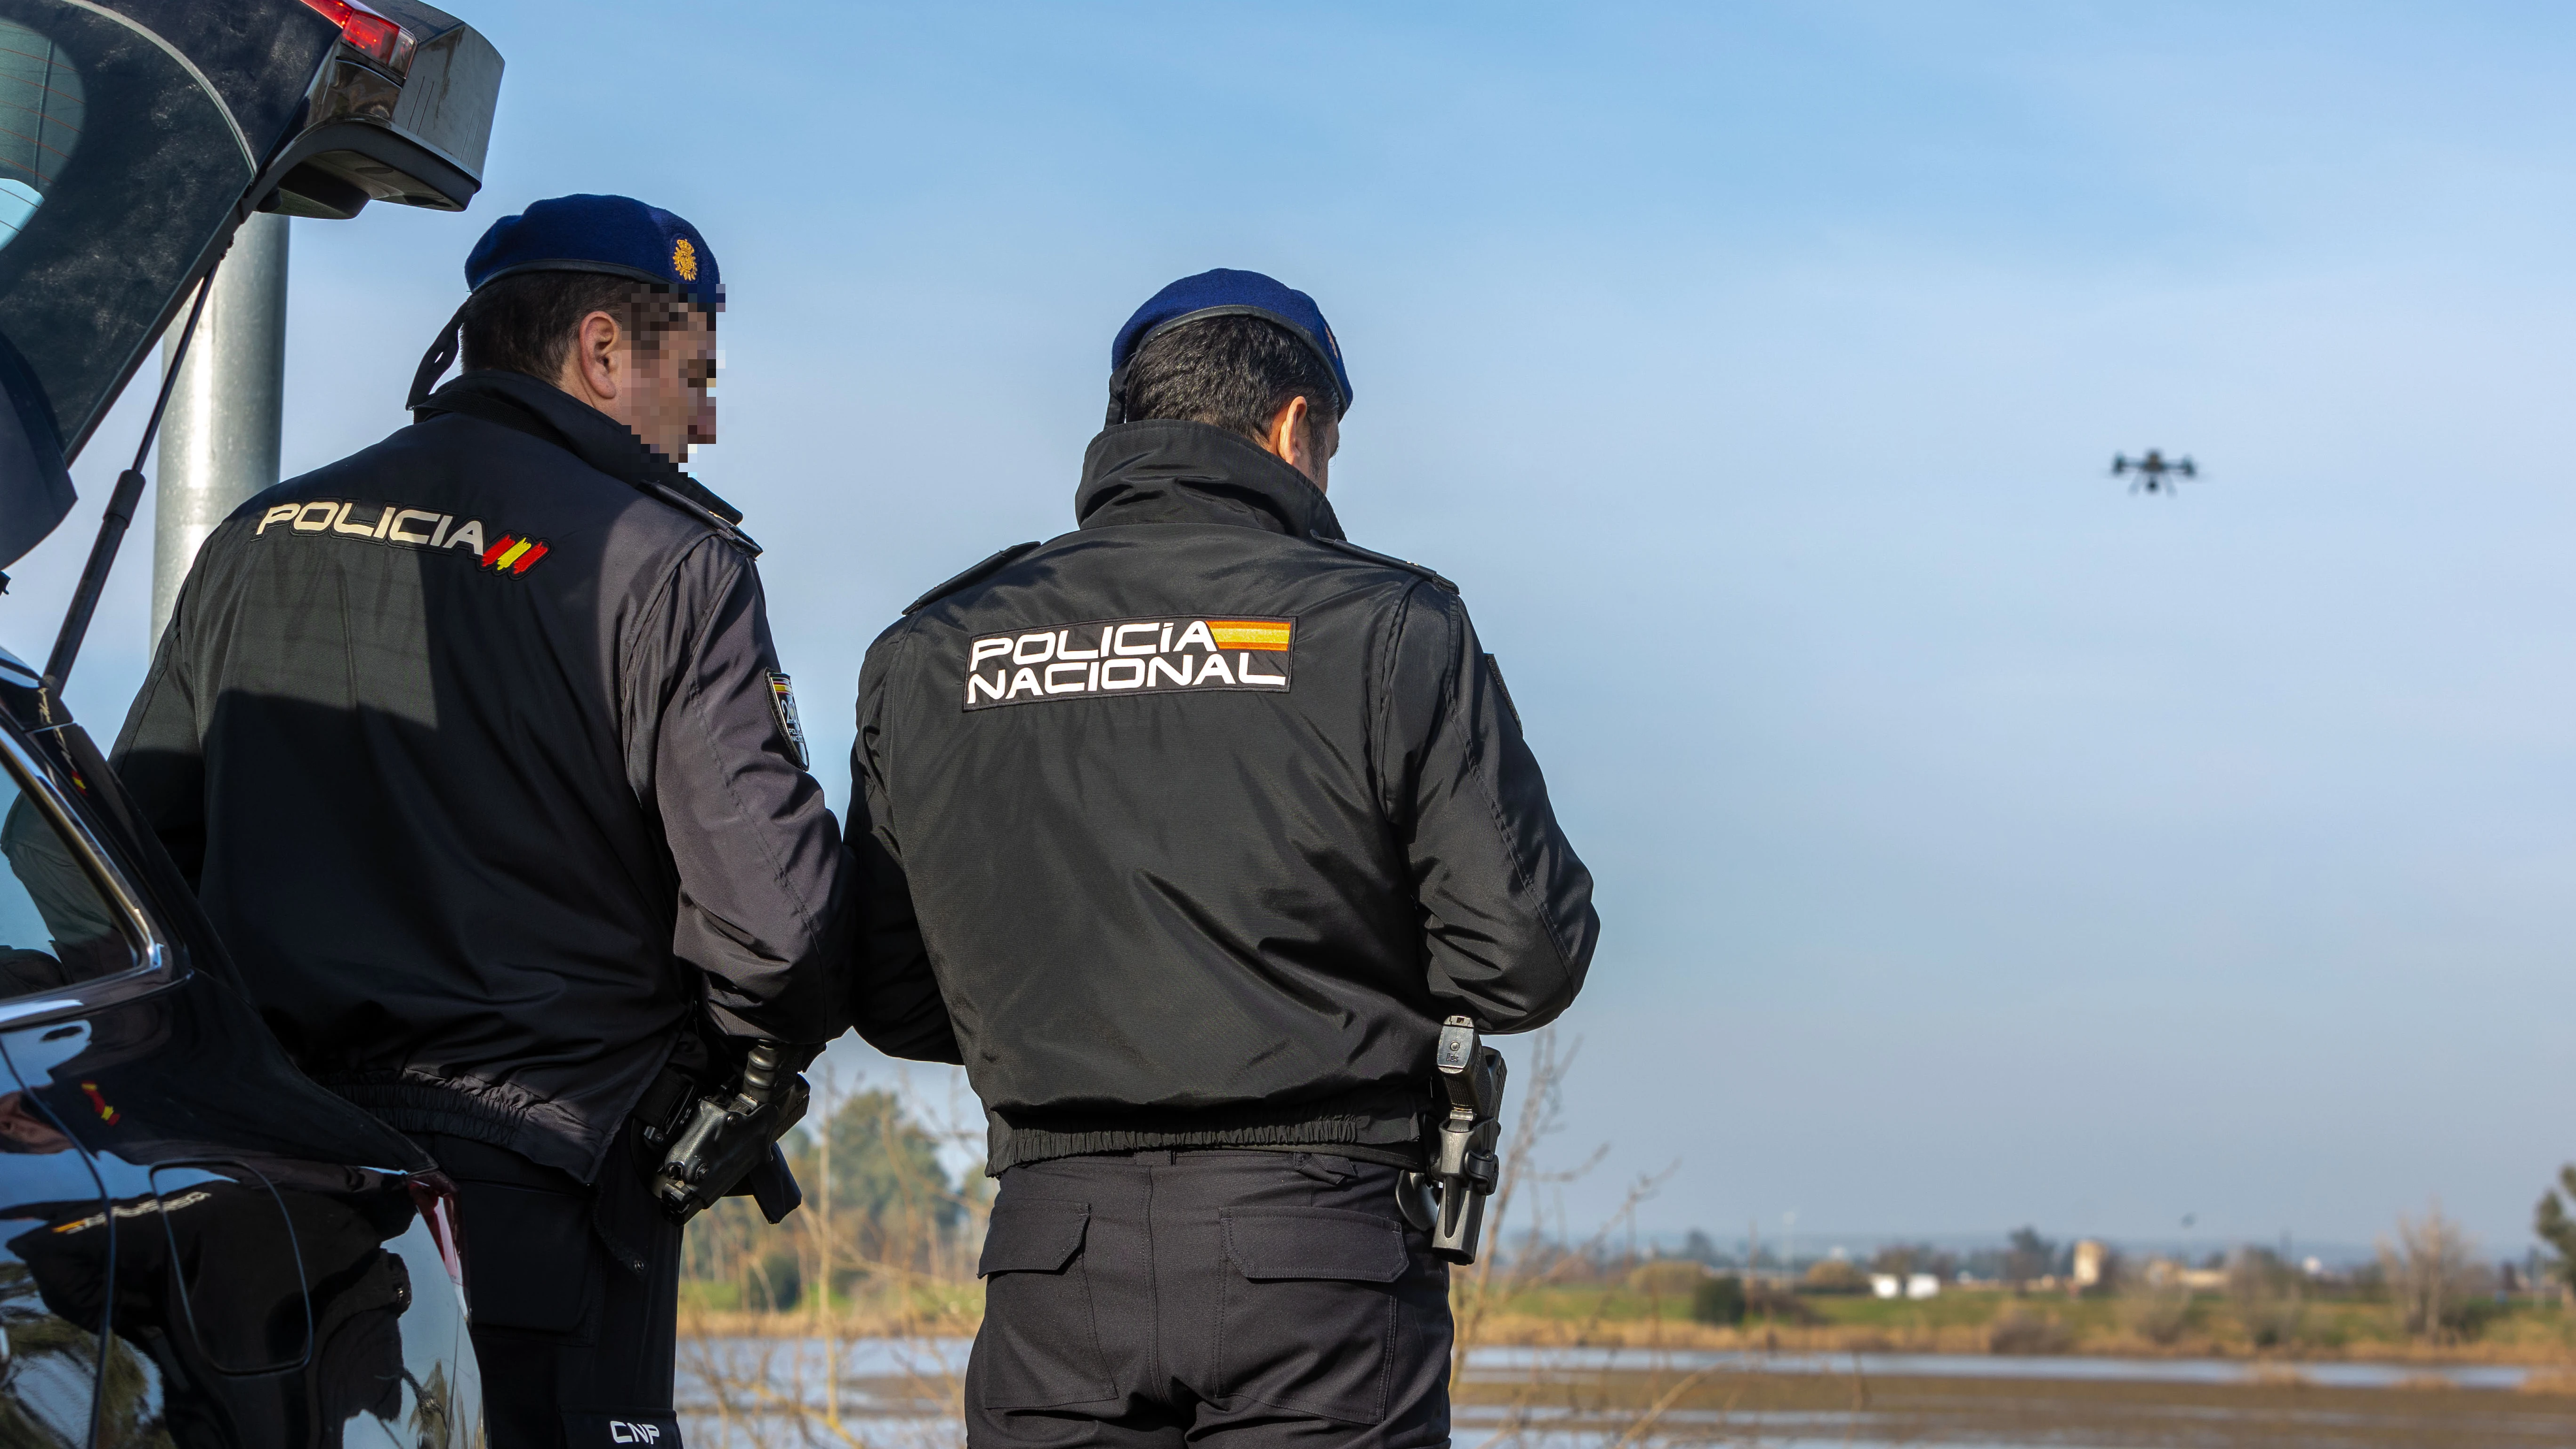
[1911, 1285]
[2092, 1264]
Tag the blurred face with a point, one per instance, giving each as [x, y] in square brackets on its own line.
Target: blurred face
[675, 382]
[661, 384]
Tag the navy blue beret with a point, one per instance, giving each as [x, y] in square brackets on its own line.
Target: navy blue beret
[614, 234]
[1224, 293]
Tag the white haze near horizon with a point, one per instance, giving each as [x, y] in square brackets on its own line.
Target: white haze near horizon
[1978, 844]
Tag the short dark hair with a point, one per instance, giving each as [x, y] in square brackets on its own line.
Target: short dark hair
[525, 323]
[1234, 372]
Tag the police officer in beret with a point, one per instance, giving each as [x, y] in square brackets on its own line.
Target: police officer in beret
[1185, 830]
[478, 752]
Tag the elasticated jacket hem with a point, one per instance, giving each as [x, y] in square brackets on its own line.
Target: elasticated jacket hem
[1384, 1129]
[535, 1128]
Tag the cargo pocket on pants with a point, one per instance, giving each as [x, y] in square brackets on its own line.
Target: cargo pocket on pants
[1038, 1346]
[1309, 1317]
[529, 1260]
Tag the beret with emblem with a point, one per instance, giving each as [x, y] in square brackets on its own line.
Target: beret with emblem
[1227, 293]
[617, 235]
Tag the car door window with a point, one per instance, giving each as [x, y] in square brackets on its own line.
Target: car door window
[56, 926]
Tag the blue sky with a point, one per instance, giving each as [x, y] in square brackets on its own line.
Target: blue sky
[1978, 844]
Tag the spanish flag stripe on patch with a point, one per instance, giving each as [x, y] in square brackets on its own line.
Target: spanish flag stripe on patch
[531, 556]
[496, 550]
[516, 550]
[1269, 634]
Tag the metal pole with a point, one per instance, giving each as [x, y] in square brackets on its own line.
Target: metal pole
[219, 444]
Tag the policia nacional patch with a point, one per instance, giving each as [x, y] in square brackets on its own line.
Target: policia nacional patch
[1128, 656]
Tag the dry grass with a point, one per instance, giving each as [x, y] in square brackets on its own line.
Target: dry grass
[1530, 1330]
[2551, 1381]
[1750, 1408]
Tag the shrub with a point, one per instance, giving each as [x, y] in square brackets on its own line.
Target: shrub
[2160, 1316]
[1667, 1277]
[1719, 1300]
[2018, 1332]
[2266, 1293]
[1833, 1275]
[1772, 1301]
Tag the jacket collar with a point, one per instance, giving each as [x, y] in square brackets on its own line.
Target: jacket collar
[1175, 472]
[517, 401]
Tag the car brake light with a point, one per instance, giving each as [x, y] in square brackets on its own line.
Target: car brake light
[368, 33]
[435, 1198]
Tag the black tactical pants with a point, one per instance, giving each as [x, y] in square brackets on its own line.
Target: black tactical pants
[575, 1345]
[1163, 1298]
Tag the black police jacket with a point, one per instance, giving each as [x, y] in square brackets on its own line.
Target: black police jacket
[1201, 820]
[475, 746]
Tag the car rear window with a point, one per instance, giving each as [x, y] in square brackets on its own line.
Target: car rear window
[118, 168]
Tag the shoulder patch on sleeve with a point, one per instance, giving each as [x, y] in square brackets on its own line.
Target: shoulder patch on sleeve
[791, 727]
[988, 567]
[1390, 560]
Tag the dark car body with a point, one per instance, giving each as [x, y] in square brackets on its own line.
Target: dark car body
[198, 1246]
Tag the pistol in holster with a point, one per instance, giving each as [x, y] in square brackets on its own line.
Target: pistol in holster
[1448, 1201]
[725, 1143]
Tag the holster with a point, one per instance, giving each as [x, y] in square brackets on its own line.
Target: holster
[772, 1186]
[1447, 1200]
[725, 1143]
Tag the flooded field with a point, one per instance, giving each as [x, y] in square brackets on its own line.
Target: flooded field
[746, 1393]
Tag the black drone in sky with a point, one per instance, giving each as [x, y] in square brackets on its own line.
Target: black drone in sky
[2155, 473]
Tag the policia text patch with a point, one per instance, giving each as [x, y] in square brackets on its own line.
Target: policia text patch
[1128, 656]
